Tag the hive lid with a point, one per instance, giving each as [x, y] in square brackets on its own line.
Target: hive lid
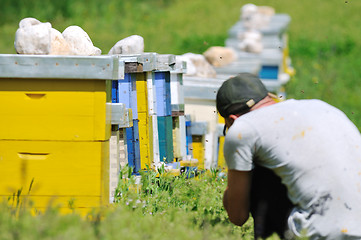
[60, 67]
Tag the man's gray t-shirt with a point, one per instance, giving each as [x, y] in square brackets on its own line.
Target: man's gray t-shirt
[316, 150]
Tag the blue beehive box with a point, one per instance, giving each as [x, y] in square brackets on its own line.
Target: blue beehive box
[124, 91]
[269, 72]
[133, 150]
[162, 85]
[188, 124]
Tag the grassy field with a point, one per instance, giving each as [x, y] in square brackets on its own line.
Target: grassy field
[325, 50]
[164, 207]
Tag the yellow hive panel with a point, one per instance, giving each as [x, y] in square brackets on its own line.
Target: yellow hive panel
[143, 116]
[142, 96]
[43, 109]
[198, 150]
[220, 118]
[55, 169]
[144, 140]
[221, 160]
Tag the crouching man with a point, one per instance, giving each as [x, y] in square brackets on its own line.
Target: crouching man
[295, 165]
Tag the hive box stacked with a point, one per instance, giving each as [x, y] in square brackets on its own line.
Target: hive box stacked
[55, 129]
[133, 92]
[163, 106]
[274, 59]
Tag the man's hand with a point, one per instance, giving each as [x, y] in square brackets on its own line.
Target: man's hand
[236, 196]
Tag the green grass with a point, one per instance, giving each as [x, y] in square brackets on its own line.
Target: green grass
[325, 50]
[164, 207]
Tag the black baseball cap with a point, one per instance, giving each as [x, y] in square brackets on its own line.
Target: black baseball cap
[238, 94]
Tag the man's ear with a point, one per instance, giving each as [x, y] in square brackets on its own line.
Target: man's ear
[233, 117]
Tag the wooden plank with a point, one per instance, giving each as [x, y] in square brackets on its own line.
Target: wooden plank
[163, 96]
[114, 162]
[144, 141]
[165, 132]
[182, 137]
[133, 149]
[154, 138]
[133, 67]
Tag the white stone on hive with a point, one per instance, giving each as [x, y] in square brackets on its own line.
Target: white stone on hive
[220, 56]
[79, 42]
[59, 46]
[256, 17]
[250, 41]
[33, 37]
[130, 45]
[197, 65]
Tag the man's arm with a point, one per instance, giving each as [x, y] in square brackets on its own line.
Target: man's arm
[236, 196]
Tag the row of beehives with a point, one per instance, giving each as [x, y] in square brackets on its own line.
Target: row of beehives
[65, 119]
[262, 34]
[258, 43]
[149, 125]
[68, 122]
[62, 117]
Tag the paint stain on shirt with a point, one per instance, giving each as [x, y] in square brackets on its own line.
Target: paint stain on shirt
[239, 136]
[281, 119]
[301, 134]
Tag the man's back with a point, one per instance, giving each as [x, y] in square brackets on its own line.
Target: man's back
[316, 151]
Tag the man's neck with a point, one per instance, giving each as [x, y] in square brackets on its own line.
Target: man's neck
[267, 101]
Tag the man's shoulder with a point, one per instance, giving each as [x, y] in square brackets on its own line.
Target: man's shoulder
[302, 104]
[292, 101]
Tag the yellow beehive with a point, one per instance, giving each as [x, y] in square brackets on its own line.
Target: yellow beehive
[143, 116]
[286, 58]
[55, 129]
[48, 109]
[221, 163]
[198, 150]
[58, 171]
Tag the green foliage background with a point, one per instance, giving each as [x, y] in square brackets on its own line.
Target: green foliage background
[325, 47]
